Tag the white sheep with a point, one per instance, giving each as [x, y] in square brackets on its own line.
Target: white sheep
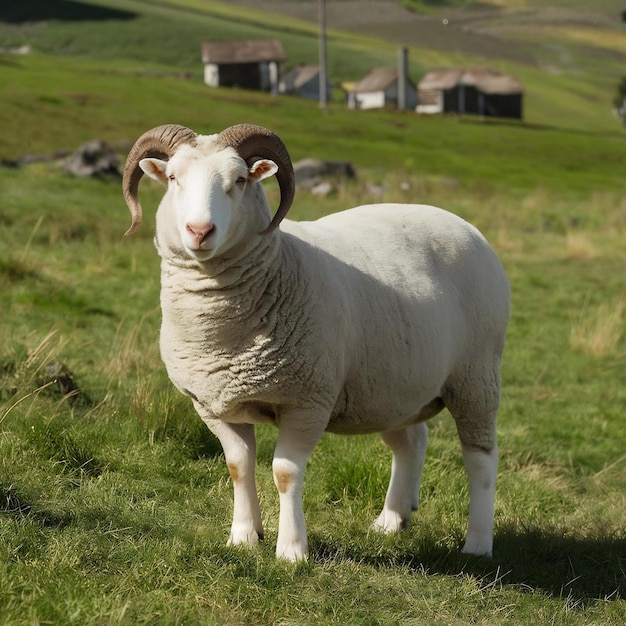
[369, 320]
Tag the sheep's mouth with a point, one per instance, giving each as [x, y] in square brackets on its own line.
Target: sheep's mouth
[200, 255]
[205, 244]
[204, 250]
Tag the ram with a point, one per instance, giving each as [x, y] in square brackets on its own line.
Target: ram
[370, 320]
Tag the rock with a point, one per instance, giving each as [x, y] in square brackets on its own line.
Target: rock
[21, 50]
[310, 172]
[322, 188]
[58, 374]
[95, 158]
[30, 159]
[374, 190]
[60, 382]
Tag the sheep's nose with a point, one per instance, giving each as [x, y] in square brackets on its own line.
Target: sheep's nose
[199, 231]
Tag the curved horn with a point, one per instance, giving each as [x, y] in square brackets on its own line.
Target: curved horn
[255, 141]
[160, 142]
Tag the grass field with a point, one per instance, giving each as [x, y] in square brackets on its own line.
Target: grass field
[115, 502]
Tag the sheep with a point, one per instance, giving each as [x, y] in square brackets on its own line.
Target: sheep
[369, 320]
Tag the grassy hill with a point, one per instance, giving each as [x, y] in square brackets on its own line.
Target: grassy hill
[569, 59]
[115, 501]
[111, 69]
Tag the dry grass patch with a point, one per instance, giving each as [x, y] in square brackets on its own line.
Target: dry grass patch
[594, 37]
[579, 246]
[506, 241]
[598, 330]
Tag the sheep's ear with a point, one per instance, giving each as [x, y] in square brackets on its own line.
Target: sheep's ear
[262, 169]
[155, 168]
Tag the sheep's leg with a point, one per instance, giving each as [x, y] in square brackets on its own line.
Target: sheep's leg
[408, 447]
[481, 467]
[239, 445]
[475, 417]
[293, 451]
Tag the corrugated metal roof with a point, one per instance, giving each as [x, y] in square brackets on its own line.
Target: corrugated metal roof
[251, 51]
[486, 80]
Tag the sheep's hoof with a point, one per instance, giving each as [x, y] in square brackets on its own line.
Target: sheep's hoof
[478, 547]
[244, 537]
[293, 552]
[390, 522]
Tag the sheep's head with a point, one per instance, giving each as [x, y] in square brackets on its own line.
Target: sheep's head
[206, 177]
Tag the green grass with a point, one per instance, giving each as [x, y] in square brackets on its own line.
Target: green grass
[115, 502]
[82, 100]
[116, 506]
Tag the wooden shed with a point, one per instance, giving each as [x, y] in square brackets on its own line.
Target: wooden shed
[248, 64]
[380, 89]
[303, 81]
[479, 91]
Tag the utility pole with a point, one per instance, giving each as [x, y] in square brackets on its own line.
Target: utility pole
[403, 77]
[322, 54]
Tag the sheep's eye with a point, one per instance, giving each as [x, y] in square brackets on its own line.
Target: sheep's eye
[241, 180]
[172, 177]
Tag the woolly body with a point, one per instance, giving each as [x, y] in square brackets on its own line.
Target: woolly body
[371, 340]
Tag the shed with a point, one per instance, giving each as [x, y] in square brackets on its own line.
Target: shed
[253, 64]
[379, 89]
[479, 91]
[303, 81]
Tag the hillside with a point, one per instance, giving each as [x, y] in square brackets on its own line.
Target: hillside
[95, 71]
[569, 57]
[553, 36]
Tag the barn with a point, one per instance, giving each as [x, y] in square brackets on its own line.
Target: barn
[303, 81]
[252, 64]
[479, 91]
[380, 89]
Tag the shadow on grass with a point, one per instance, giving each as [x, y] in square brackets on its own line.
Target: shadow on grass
[15, 504]
[581, 570]
[20, 11]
